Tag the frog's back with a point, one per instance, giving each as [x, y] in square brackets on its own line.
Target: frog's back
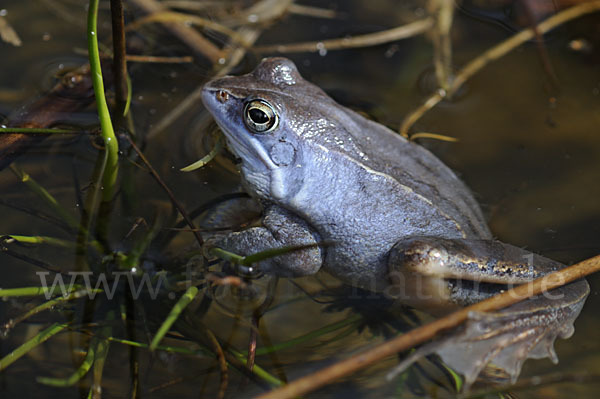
[414, 168]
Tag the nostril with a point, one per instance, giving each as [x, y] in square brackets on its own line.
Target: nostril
[222, 96]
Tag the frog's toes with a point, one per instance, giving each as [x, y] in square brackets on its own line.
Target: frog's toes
[515, 348]
[502, 339]
[545, 348]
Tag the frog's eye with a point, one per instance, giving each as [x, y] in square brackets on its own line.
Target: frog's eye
[260, 116]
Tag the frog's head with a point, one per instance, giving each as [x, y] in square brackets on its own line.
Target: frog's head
[263, 115]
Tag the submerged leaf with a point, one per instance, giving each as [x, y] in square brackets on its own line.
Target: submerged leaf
[8, 34]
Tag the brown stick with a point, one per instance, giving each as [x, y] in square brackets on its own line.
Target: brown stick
[198, 43]
[539, 43]
[222, 362]
[419, 335]
[158, 59]
[443, 12]
[493, 54]
[119, 63]
[74, 92]
[167, 190]
[371, 39]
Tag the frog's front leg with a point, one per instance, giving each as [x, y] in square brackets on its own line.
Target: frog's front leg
[279, 229]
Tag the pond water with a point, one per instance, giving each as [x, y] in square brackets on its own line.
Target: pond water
[528, 147]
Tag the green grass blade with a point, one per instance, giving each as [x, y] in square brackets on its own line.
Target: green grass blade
[40, 240]
[458, 381]
[257, 370]
[226, 255]
[171, 349]
[99, 362]
[91, 205]
[102, 344]
[185, 300]
[258, 256]
[41, 337]
[270, 253]
[207, 158]
[50, 304]
[83, 369]
[34, 130]
[129, 95]
[111, 171]
[45, 195]
[32, 291]
[57, 242]
[309, 336]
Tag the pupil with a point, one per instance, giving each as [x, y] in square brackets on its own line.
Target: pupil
[258, 116]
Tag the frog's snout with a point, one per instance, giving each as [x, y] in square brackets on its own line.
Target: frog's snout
[214, 93]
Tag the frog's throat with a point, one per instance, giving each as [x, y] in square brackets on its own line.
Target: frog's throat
[250, 151]
[259, 170]
[278, 189]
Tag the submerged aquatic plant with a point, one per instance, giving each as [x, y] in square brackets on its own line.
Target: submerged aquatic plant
[130, 291]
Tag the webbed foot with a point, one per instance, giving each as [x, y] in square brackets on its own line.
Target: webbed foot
[508, 337]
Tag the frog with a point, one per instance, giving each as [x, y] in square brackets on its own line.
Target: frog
[351, 197]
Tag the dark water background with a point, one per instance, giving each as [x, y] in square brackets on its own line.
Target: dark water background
[529, 152]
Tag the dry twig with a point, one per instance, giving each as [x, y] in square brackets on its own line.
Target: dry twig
[309, 11]
[428, 331]
[371, 39]
[158, 59]
[222, 362]
[176, 17]
[493, 54]
[8, 34]
[442, 11]
[167, 190]
[198, 43]
[119, 62]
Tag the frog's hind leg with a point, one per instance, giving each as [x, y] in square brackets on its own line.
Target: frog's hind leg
[466, 271]
[433, 273]
[482, 260]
